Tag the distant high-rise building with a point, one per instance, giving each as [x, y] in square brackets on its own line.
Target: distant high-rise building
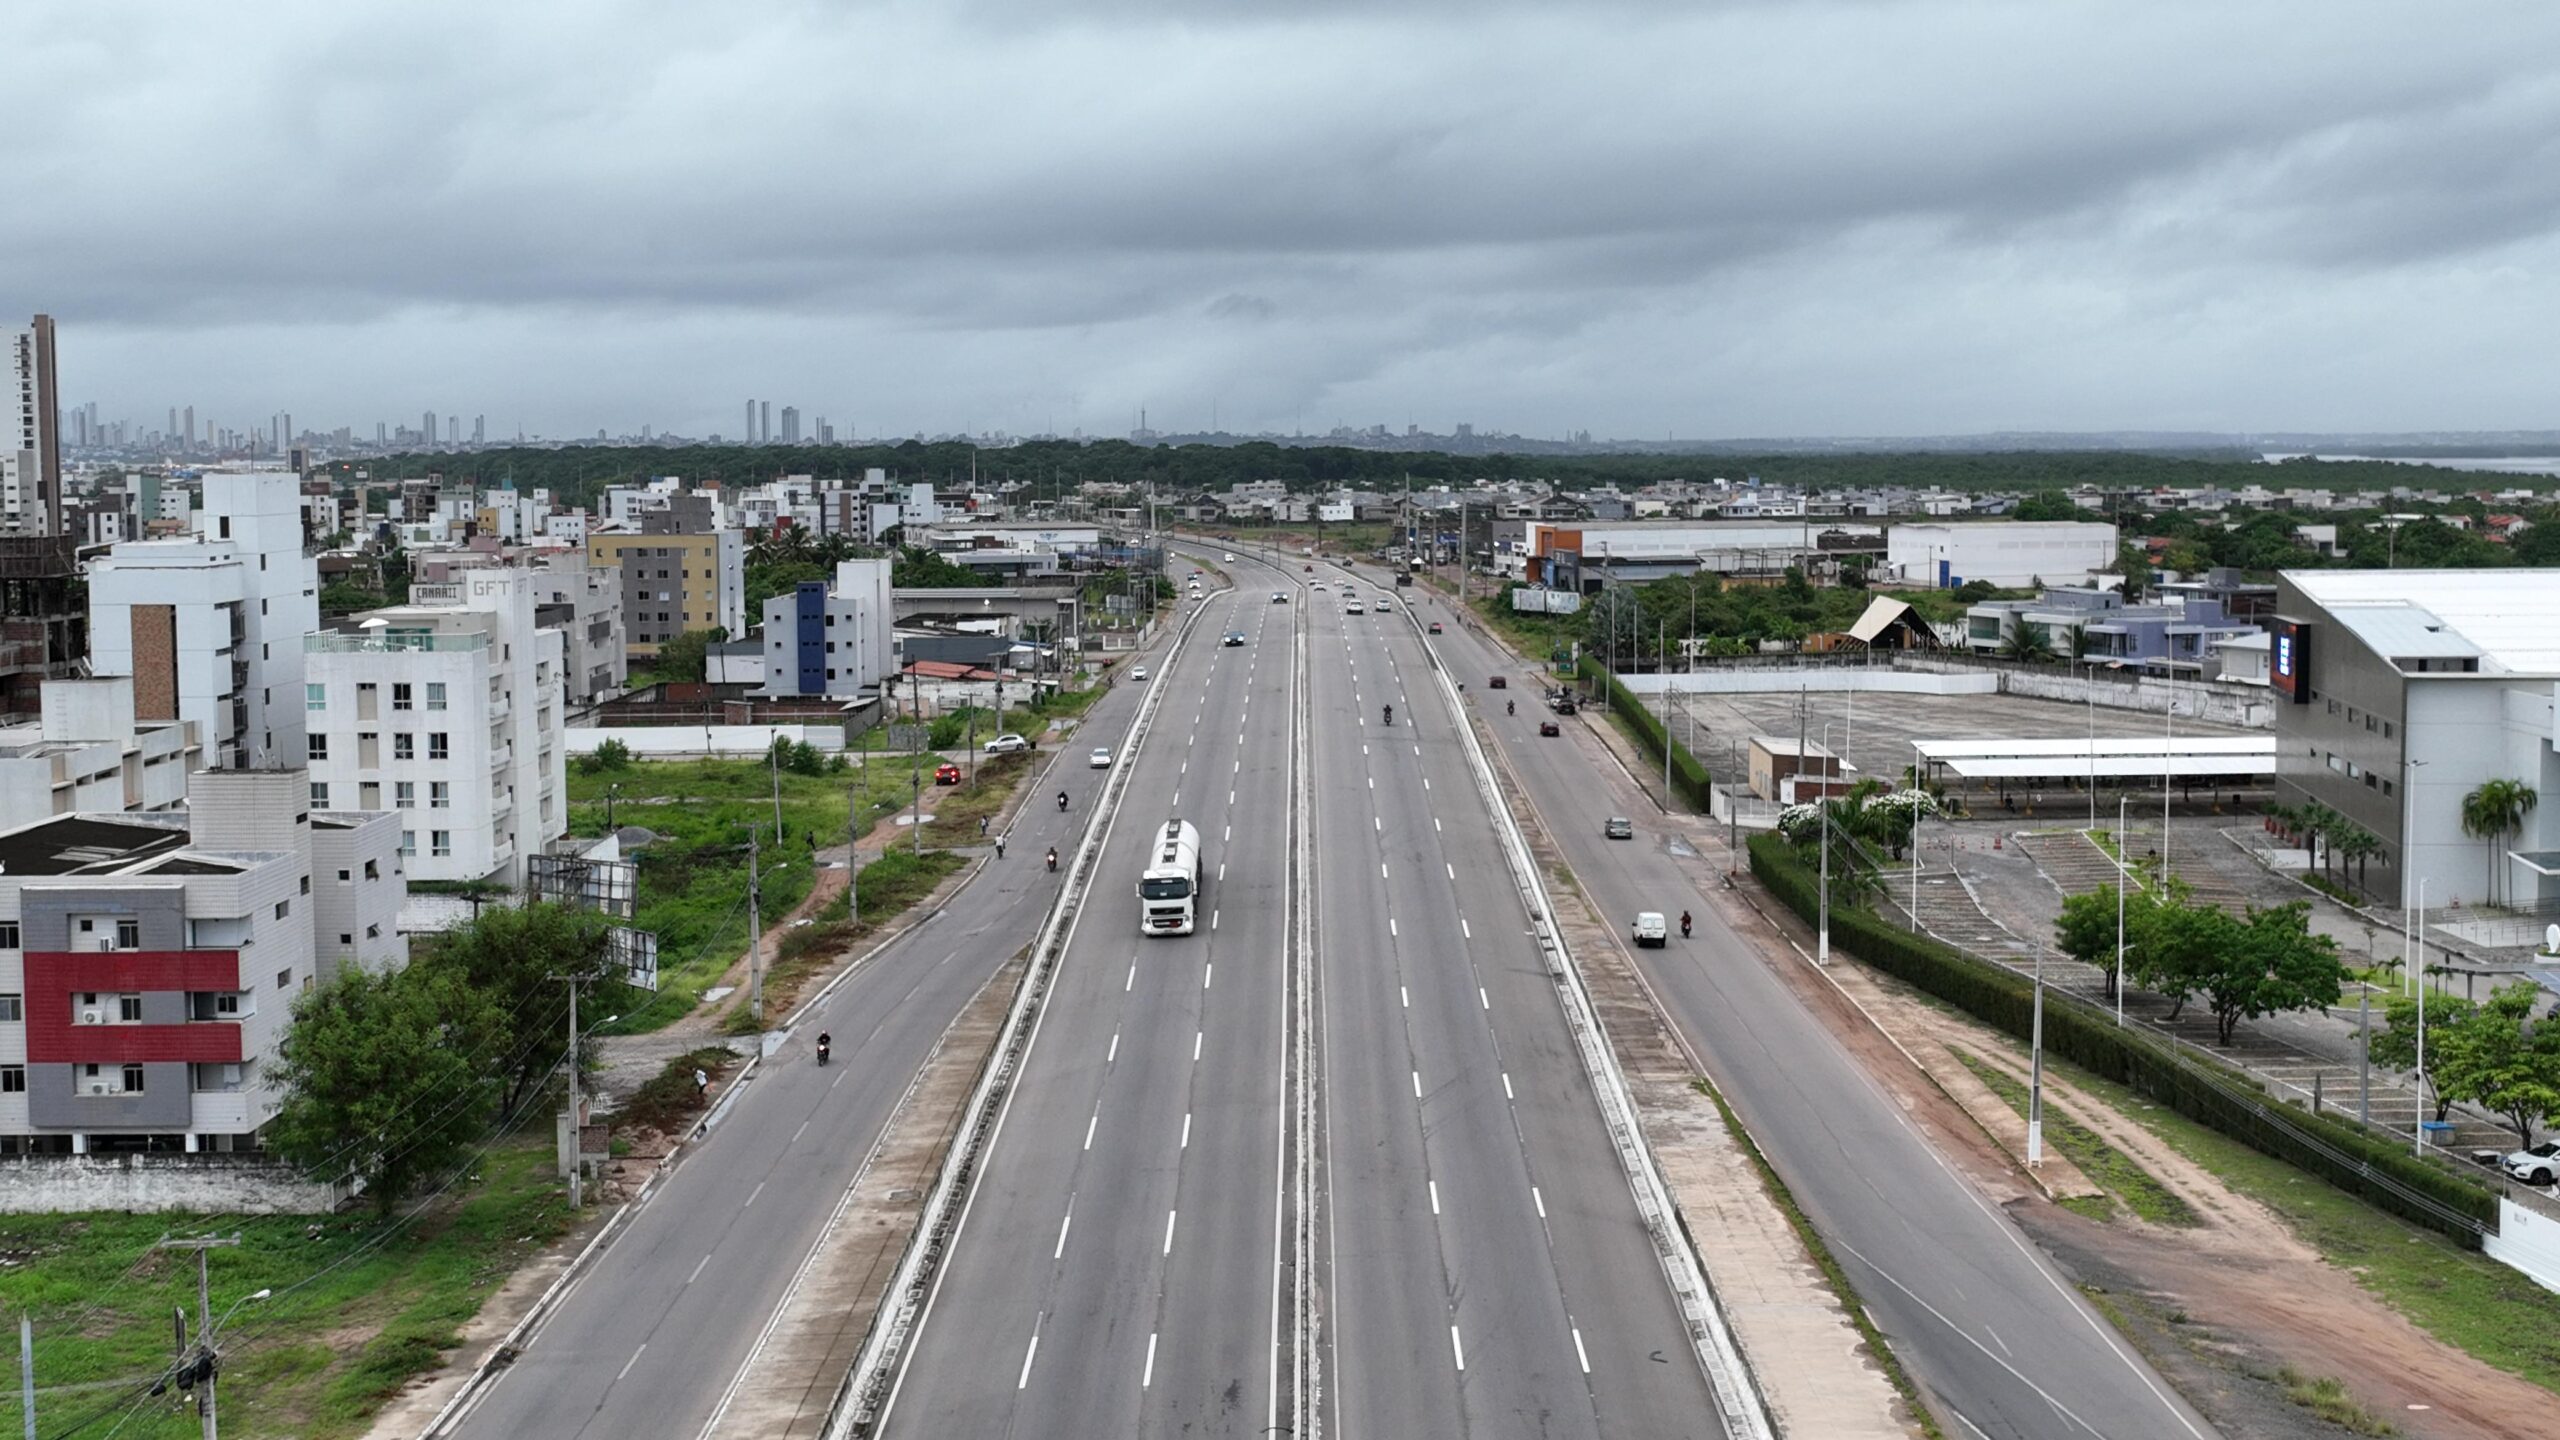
[826, 432]
[764, 423]
[31, 461]
[748, 435]
[170, 435]
[427, 427]
[790, 424]
[453, 429]
[479, 429]
[381, 433]
[188, 436]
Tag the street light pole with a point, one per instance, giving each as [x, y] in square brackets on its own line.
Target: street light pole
[1822, 953]
[2122, 875]
[2418, 1131]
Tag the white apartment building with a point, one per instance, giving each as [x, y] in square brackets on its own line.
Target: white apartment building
[148, 966]
[30, 450]
[210, 628]
[355, 914]
[447, 710]
[583, 601]
[89, 755]
[834, 641]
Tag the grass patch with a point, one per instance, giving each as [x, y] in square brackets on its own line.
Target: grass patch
[2457, 1295]
[668, 1099]
[2326, 1396]
[891, 885]
[314, 1361]
[1838, 1279]
[2108, 1168]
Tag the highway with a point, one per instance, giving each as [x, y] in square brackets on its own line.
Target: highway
[1116, 1267]
[1985, 1323]
[650, 1338]
[1489, 1271]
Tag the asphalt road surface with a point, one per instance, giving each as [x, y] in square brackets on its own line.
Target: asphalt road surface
[1114, 1273]
[1982, 1319]
[648, 1341]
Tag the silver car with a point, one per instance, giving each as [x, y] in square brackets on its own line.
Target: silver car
[1619, 828]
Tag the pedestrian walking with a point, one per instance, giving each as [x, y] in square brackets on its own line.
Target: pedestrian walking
[701, 1085]
[982, 827]
[999, 847]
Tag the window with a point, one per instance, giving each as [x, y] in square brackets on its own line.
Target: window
[315, 697]
[373, 932]
[440, 841]
[404, 746]
[439, 746]
[318, 745]
[373, 869]
[284, 979]
[345, 939]
[283, 908]
[133, 1079]
[306, 883]
[404, 794]
[439, 796]
[319, 794]
[227, 1003]
[128, 934]
[129, 1009]
[435, 694]
[13, 1079]
[408, 842]
[400, 697]
[8, 934]
[346, 876]
[13, 1007]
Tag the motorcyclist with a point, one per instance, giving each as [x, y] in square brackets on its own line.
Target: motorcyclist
[1510, 707]
[1053, 857]
[826, 1046]
[1062, 800]
[1391, 714]
[1684, 924]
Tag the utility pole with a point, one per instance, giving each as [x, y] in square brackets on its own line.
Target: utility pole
[27, 1373]
[1662, 672]
[852, 854]
[207, 1360]
[755, 936]
[773, 759]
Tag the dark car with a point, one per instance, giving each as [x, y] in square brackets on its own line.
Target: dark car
[1562, 705]
[946, 774]
[1549, 727]
[1498, 682]
[1435, 627]
[1235, 637]
[1619, 828]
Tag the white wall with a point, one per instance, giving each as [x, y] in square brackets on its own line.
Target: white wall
[2526, 1240]
[2003, 553]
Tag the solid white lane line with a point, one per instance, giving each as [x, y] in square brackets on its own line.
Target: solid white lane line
[1462, 921]
[1229, 833]
[1024, 1382]
[1458, 1347]
[1213, 918]
[1435, 1195]
[698, 1266]
[1408, 996]
[1483, 999]
[1185, 769]
[1133, 978]
[1168, 1230]
[803, 1130]
[1380, 825]
[1435, 823]
[1364, 748]
[1222, 872]
[1452, 869]
[1063, 1222]
[1186, 1130]
[1382, 869]
[1417, 1084]
[752, 1194]
[1417, 749]
[1391, 925]
[1088, 1129]
[627, 1364]
[1149, 1377]
[1426, 780]
[1579, 1353]
[1196, 1037]
[1113, 1054]
[1506, 1086]
[1373, 782]
[1231, 797]
[1207, 970]
[1540, 1200]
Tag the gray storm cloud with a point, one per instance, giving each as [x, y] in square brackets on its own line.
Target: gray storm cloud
[1633, 218]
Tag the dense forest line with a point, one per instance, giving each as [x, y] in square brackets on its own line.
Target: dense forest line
[576, 475]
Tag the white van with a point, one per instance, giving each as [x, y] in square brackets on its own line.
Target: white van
[1650, 929]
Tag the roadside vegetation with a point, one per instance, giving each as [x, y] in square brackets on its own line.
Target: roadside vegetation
[2110, 1169]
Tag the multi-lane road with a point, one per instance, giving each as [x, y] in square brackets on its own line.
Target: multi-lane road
[1131, 1259]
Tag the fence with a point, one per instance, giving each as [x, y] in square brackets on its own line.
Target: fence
[2381, 1174]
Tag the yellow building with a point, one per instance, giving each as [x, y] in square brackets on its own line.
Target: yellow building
[675, 583]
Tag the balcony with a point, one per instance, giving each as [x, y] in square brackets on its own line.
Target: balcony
[341, 642]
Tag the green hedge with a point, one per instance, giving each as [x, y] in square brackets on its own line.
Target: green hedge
[2345, 1155]
[1689, 779]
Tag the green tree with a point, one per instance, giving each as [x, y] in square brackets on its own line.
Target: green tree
[2048, 505]
[918, 568]
[2395, 1045]
[2491, 812]
[2087, 930]
[685, 658]
[512, 958]
[2497, 1057]
[380, 1079]
[2276, 963]
[2177, 945]
[2028, 642]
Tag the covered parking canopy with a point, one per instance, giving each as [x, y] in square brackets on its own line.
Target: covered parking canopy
[2141, 757]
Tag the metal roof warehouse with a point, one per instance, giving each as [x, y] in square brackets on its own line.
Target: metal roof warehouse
[2151, 757]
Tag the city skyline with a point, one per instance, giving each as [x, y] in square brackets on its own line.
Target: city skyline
[1495, 215]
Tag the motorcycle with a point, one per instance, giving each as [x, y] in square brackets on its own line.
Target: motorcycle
[1391, 714]
[1510, 707]
[1062, 801]
[1684, 924]
[1053, 860]
[826, 1047]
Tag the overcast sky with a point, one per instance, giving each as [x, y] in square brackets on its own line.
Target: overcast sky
[1634, 218]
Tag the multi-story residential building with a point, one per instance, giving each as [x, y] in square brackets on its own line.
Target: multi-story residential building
[2174, 639]
[30, 441]
[838, 643]
[583, 601]
[2402, 691]
[355, 914]
[150, 964]
[89, 755]
[676, 579]
[447, 710]
[210, 628]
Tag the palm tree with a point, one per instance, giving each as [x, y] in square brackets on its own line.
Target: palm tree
[2075, 641]
[2357, 844]
[2493, 811]
[2028, 642]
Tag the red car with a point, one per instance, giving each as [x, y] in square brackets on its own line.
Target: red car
[1549, 727]
[1435, 627]
[946, 774]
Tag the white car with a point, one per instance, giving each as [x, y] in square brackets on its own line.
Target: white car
[1007, 745]
[1230, 555]
[1355, 608]
[1650, 929]
[2535, 1164]
[1138, 674]
[1101, 758]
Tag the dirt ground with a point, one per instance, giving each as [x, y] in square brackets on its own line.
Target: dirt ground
[2217, 1307]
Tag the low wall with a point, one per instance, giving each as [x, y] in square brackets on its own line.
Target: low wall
[693, 742]
[1864, 681]
[189, 1184]
[2528, 1240]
